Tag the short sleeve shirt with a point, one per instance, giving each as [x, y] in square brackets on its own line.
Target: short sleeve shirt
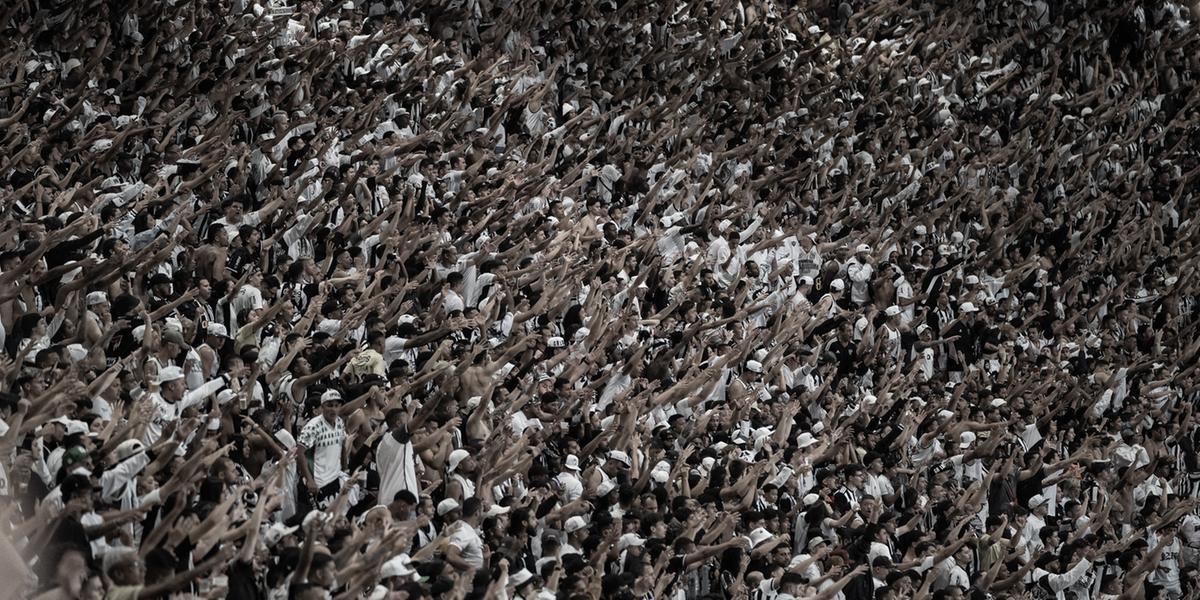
[325, 441]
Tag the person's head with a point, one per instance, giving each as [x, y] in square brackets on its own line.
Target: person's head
[323, 570]
[71, 570]
[331, 403]
[854, 476]
[124, 566]
[171, 384]
[683, 545]
[233, 208]
[880, 567]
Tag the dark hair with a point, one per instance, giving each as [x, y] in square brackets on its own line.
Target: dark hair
[470, 507]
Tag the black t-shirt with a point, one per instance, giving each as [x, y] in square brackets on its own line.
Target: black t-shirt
[243, 582]
[844, 353]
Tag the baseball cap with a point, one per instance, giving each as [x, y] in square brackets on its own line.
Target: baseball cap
[758, 536]
[965, 439]
[629, 539]
[496, 510]
[331, 396]
[837, 285]
[169, 374]
[455, 459]
[520, 577]
[398, 566]
[447, 505]
[170, 335]
[74, 455]
[94, 298]
[278, 531]
[620, 457]
[574, 524]
[128, 448]
[217, 330]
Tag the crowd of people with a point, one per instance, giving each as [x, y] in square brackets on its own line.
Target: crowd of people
[725, 299]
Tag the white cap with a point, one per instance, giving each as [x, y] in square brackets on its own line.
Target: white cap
[571, 462]
[754, 366]
[217, 329]
[920, 230]
[1037, 500]
[606, 487]
[837, 284]
[555, 342]
[810, 499]
[76, 352]
[496, 510]
[399, 566]
[965, 439]
[278, 531]
[620, 457]
[863, 248]
[574, 524]
[331, 396]
[758, 536]
[805, 440]
[629, 539]
[285, 438]
[94, 298]
[892, 310]
[967, 307]
[225, 396]
[74, 427]
[455, 459]
[446, 506]
[816, 541]
[520, 577]
[168, 374]
[128, 448]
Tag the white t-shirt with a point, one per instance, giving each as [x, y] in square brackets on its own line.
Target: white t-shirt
[325, 441]
[469, 544]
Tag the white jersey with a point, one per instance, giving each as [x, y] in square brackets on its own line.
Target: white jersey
[325, 441]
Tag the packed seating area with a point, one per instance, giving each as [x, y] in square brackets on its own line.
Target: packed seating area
[554, 300]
